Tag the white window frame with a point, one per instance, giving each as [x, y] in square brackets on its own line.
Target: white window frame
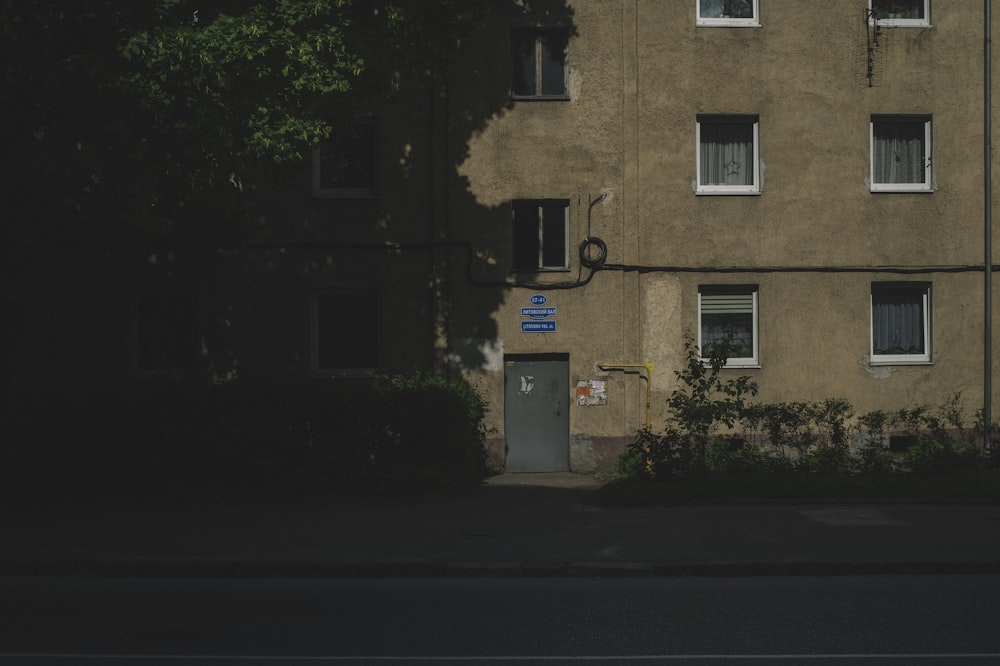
[752, 361]
[923, 358]
[753, 188]
[728, 22]
[349, 319]
[540, 204]
[928, 184]
[888, 22]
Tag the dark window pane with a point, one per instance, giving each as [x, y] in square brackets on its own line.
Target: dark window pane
[554, 236]
[347, 159]
[717, 327]
[553, 69]
[727, 312]
[168, 332]
[725, 8]
[347, 331]
[523, 63]
[525, 235]
[892, 9]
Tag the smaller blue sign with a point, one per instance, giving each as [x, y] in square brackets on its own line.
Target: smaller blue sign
[538, 299]
[538, 313]
[538, 327]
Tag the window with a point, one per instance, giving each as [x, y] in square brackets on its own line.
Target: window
[901, 154]
[167, 332]
[729, 310]
[727, 158]
[901, 323]
[345, 336]
[901, 13]
[538, 64]
[345, 164]
[541, 231]
[736, 13]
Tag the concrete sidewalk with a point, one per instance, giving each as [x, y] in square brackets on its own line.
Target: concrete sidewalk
[515, 525]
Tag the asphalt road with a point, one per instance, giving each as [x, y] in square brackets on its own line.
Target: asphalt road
[786, 620]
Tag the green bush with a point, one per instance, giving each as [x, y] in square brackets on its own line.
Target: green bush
[407, 433]
[735, 455]
[874, 455]
[634, 461]
[712, 430]
[830, 460]
[433, 434]
[943, 456]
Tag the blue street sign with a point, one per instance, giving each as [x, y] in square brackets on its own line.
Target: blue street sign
[538, 313]
[538, 299]
[538, 327]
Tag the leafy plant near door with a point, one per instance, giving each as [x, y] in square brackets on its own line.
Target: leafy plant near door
[701, 404]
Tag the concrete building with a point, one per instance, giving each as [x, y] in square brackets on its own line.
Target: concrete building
[593, 180]
[814, 181]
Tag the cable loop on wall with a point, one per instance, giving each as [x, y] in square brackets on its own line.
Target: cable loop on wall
[585, 256]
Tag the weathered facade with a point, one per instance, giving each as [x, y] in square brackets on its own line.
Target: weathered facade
[593, 180]
[820, 241]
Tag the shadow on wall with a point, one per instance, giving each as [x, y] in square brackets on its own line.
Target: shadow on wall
[435, 258]
[480, 259]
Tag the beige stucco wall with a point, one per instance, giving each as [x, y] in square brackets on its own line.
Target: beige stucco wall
[640, 72]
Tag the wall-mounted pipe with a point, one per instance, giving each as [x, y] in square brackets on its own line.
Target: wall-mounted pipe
[648, 366]
[988, 231]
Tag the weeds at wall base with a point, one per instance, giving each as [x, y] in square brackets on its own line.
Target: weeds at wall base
[718, 445]
[981, 486]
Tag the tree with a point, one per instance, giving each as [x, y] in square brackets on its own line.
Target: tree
[141, 117]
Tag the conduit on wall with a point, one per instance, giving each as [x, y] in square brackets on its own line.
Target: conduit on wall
[648, 366]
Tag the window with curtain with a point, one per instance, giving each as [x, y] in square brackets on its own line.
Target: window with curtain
[900, 322]
[901, 12]
[900, 153]
[540, 234]
[538, 63]
[729, 311]
[727, 12]
[727, 155]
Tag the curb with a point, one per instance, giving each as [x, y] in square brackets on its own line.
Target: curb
[417, 569]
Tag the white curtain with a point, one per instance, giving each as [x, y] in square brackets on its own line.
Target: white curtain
[898, 323]
[909, 9]
[726, 153]
[899, 152]
[726, 8]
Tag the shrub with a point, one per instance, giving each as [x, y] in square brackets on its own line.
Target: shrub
[433, 434]
[735, 455]
[396, 434]
[943, 456]
[634, 462]
[828, 460]
[700, 405]
[788, 425]
[875, 456]
[712, 430]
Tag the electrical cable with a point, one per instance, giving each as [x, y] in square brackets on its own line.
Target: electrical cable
[597, 263]
[586, 259]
